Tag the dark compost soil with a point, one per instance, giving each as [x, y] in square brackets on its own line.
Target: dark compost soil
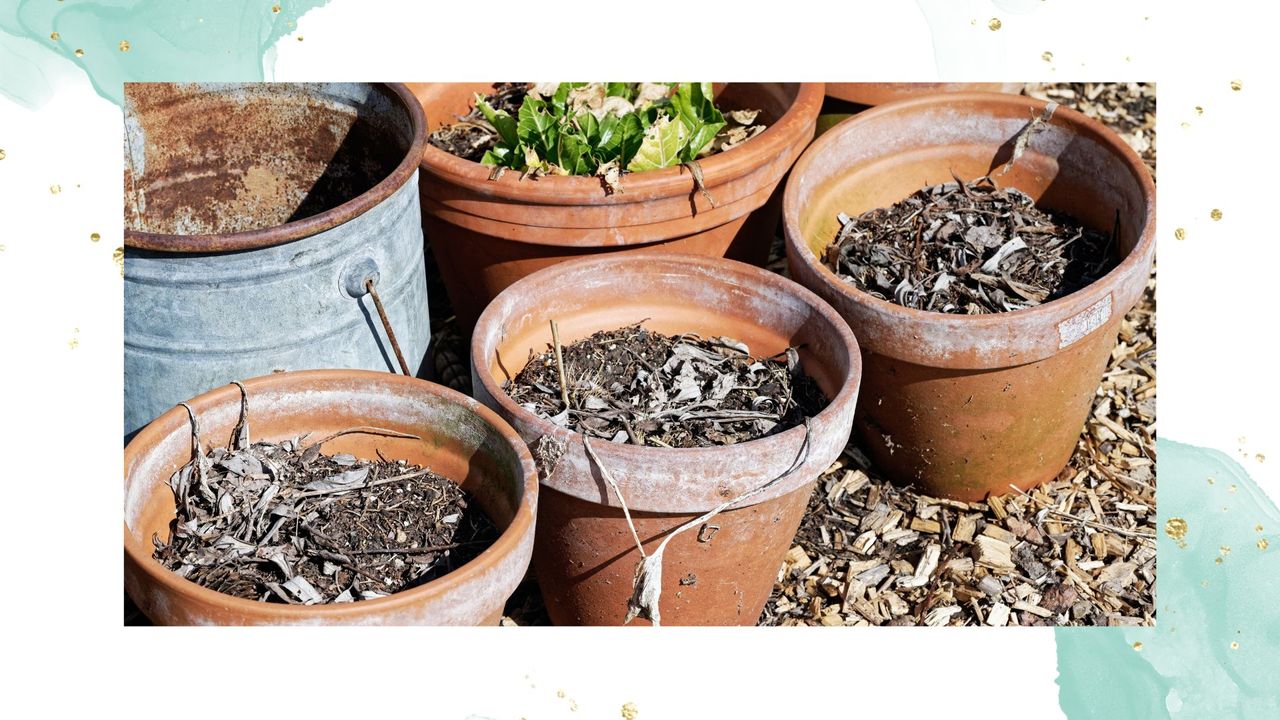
[283, 522]
[471, 135]
[646, 388]
[969, 248]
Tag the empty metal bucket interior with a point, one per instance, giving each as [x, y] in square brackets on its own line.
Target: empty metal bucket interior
[213, 159]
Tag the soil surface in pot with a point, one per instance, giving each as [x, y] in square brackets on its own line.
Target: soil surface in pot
[472, 135]
[969, 248]
[581, 130]
[646, 388]
[283, 522]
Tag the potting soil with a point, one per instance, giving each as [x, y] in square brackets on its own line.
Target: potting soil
[283, 522]
[969, 248]
[471, 135]
[634, 385]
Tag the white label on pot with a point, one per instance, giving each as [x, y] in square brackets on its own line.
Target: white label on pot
[1084, 322]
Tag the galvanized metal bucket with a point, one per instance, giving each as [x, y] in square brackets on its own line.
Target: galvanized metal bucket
[256, 214]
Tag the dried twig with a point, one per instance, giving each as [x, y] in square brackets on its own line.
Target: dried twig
[564, 385]
[363, 429]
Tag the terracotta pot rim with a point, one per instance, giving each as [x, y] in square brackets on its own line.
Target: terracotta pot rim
[1131, 263]
[507, 542]
[784, 442]
[880, 93]
[637, 187]
[308, 226]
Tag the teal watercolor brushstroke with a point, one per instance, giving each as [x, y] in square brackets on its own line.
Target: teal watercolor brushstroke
[195, 40]
[1186, 667]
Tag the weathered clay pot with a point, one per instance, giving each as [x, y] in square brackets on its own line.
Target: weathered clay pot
[461, 439]
[965, 406]
[584, 556]
[487, 234]
[880, 93]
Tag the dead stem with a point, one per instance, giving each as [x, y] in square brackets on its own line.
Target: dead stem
[608, 477]
[363, 429]
[564, 385]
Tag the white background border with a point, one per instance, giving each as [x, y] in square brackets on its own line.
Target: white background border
[62, 413]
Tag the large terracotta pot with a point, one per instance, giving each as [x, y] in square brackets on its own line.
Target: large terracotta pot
[584, 556]
[965, 406]
[880, 93]
[486, 234]
[461, 439]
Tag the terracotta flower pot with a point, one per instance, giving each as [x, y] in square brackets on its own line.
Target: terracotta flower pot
[881, 93]
[487, 234]
[461, 439]
[584, 556]
[965, 406]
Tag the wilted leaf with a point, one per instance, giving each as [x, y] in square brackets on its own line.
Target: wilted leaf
[341, 480]
[501, 121]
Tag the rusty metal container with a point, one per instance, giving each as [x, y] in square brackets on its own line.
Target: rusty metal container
[254, 215]
[964, 406]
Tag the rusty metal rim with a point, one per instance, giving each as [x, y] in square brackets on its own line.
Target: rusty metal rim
[891, 312]
[639, 187]
[784, 442]
[508, 542]
[308, 226]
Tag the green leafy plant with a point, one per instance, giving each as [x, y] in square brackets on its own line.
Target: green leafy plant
[604, 128]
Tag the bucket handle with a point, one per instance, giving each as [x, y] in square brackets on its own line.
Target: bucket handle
[360, 279]
[386, 324]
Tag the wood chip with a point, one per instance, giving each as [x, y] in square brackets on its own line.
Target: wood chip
[992, 553]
